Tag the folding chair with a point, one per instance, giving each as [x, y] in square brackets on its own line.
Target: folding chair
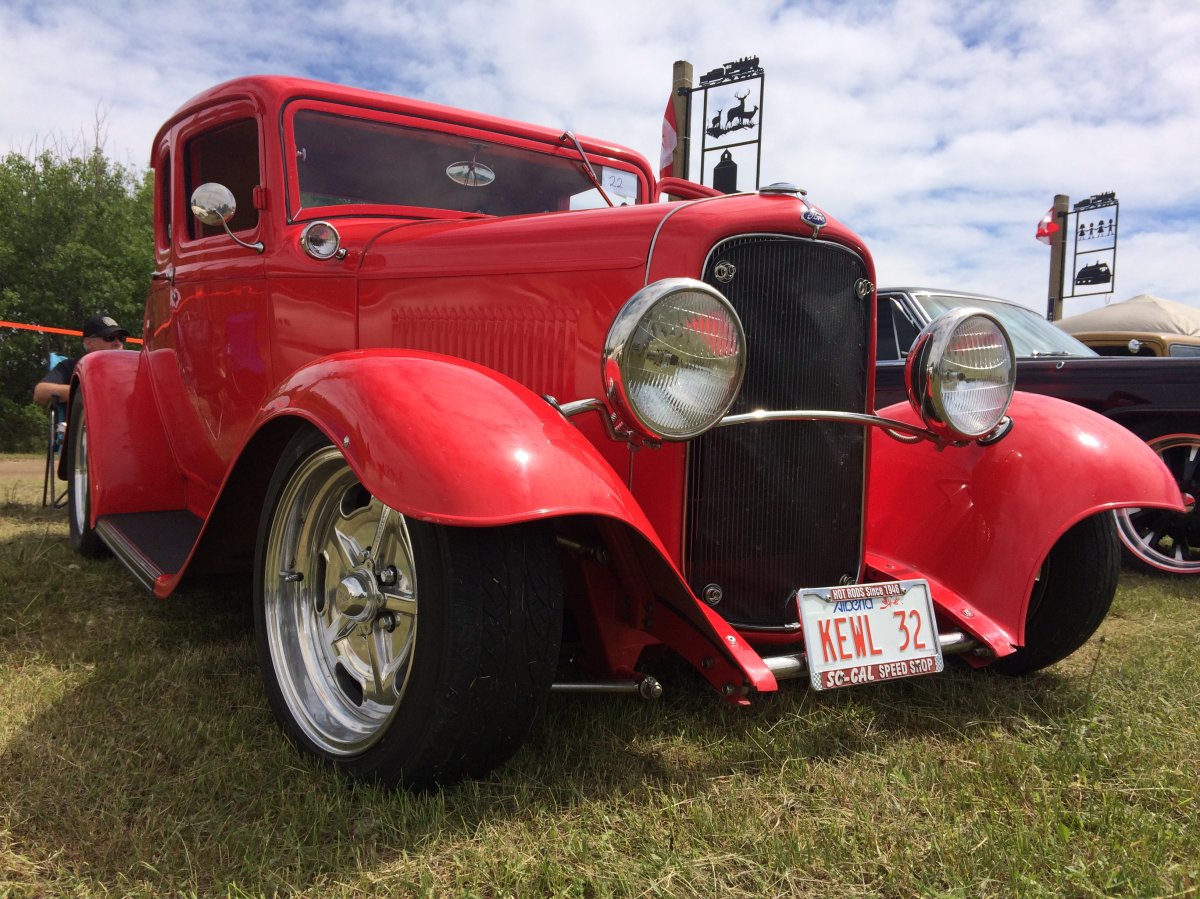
[51, 494]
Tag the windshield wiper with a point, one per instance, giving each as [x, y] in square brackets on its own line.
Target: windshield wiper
[1039, 354]
[587, 167]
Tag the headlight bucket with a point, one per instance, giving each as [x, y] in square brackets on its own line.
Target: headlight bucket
[961, 374]
[674, 359]
[321, 240]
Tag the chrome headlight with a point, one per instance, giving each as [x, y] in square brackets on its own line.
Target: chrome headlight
[961, 373]
[321, 240]
[674, 359]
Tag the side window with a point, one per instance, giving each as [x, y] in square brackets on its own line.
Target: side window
[897, 330]
[229, 156]
[885, 332]
[907, 327]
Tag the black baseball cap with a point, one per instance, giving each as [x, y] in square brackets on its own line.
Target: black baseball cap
[103, 326]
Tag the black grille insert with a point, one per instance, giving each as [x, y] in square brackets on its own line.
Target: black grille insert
[776, 506]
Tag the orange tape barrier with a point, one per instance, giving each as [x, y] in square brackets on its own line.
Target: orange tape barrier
[48, 330]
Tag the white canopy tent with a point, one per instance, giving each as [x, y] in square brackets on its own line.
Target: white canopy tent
[1143, 313]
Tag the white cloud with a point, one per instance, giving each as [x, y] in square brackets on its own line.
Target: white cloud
[940, 131]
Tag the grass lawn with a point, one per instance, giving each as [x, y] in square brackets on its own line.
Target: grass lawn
[139, 758]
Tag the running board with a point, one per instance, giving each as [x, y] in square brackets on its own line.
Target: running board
[786, 667]
[150, 544]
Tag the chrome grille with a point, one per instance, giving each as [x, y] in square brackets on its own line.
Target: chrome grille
[776, 506]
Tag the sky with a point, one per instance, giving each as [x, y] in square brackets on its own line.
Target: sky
[939, 131]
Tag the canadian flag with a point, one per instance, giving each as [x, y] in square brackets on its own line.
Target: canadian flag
[1047, 226]
[670, 140]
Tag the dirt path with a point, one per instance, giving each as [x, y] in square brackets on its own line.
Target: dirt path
[22, 468]
[21, 479]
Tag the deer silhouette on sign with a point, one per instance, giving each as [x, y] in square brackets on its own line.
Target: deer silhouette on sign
[714, 129]
[739, 114]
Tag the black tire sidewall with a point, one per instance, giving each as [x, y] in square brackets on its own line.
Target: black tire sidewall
[441, 730]
[1081, 576]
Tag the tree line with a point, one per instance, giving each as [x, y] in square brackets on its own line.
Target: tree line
[77, 240]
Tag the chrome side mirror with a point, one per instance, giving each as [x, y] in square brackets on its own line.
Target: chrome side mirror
[213, 205]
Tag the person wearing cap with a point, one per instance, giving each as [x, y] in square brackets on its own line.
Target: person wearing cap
[100, 332]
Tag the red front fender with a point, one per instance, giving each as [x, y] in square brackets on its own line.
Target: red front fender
[978, 521]
[451, 442]
[454, 443]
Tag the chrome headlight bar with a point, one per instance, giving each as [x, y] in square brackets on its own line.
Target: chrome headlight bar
[675, 356]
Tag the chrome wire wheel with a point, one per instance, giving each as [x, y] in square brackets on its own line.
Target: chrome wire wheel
[339, 593]
[1162, 539]
[78, 499]
[84, 539]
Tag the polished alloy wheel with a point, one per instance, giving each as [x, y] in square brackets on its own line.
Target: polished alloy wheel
[78, 501]
[84, 539]
[1162, 539]
[340, 605]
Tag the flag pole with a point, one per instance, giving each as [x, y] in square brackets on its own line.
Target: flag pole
[1058, 258]
[682, 99]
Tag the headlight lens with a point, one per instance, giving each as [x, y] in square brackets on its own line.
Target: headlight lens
[674, 359]
[320, 240]
[960, 374]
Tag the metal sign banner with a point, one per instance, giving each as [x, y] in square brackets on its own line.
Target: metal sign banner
[732, 121]
[1092, 229]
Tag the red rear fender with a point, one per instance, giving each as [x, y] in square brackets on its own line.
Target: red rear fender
[130, 466]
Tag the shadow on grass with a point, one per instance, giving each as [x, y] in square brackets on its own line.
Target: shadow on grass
[140, 753]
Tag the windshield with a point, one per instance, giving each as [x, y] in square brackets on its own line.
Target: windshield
[1031, 334]
[342, 160]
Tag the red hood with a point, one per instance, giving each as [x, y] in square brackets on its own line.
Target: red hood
[670, 239]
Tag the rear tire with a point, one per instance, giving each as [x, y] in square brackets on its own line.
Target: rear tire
[84, 539]
[398, 650]
[1073, 593]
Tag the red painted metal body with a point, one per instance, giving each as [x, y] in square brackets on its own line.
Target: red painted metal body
[949, 514]
[424, 353]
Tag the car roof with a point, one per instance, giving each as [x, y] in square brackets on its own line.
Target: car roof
[962, 294]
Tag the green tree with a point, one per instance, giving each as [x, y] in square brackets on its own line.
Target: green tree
[77, 241]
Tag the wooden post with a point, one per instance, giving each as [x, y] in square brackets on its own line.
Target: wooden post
[682, 77]
[1058, 258]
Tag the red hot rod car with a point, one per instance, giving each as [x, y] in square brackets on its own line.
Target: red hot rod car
[483, 415]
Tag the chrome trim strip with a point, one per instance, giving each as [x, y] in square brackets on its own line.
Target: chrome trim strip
[888, 424]
[793, 666]
[679, 207]
[774, 235]
[138, 563]
[897, 430]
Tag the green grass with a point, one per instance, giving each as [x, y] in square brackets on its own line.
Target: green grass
[139, 758]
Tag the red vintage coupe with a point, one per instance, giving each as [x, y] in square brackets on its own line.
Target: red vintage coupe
[480, 413]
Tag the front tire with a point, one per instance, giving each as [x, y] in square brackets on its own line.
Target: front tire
[398, 650]
[1073, 593]
[84, 539]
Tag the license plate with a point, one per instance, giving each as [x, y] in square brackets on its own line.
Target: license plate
[869, 633]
